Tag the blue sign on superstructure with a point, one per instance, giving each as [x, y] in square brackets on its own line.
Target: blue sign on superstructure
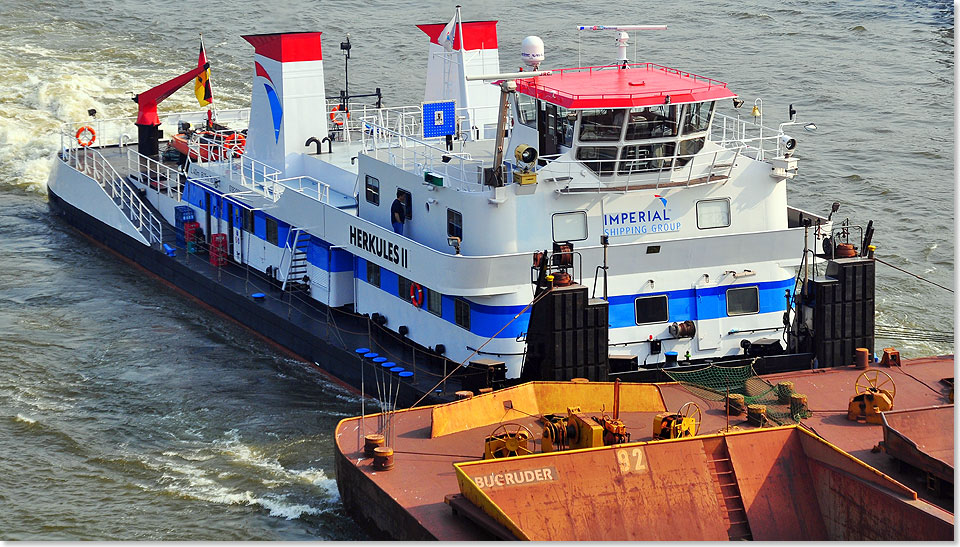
[439, 119]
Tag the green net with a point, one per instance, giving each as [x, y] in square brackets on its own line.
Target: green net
[713, 383]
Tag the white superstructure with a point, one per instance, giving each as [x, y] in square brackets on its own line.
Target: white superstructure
[675, 214]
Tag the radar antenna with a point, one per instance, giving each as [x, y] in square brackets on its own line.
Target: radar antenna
[622, 39]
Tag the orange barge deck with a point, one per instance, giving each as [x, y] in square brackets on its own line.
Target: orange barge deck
[781, 483]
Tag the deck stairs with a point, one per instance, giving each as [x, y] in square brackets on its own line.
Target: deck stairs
[92, 163]
[296, 248]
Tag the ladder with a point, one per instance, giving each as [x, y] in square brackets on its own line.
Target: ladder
[297, 268]
[718, 461]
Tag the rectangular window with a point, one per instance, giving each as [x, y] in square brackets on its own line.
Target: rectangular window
[743, 301]
[272, 231]
[652, 122]
[434, 301]
[462, 313]
[373, 190]
[604, 124]
[651, 309]
[454, 224]
[713, 213]
[248, 220]
[570, 226]
[687, 149]
[566, 119]
[696, 117]
[647, 157]
[527, 110]
[373, 274]
[407, 200]
[600, 159]
[403, 288]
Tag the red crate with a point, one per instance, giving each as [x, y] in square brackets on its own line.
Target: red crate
[218, 249]
[190, 230]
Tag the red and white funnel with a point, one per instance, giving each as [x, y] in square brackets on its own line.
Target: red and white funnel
[288, 101]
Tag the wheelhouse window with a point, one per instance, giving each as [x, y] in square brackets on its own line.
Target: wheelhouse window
[373, 190]
[604, 124]
[566, 120]
[696, 117]
[687, 149]
[373, 274]
[652, 122]
[434, 301]
[454, 224]
[407, 201]
[272, 231]
[651, 309]
[713, 213]
[637, 158]
[527, 110]
[600, 159]
[462, 313]
[743, 301]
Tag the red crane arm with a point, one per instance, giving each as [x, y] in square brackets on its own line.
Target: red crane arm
[148, 100]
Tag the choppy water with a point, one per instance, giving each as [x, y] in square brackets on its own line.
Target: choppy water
[127, 413]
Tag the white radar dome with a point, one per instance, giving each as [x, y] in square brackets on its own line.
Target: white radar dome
[531, 51]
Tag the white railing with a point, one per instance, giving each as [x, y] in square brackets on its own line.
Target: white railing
[237, 166]
[308, 186]
[91, 163]
[123, 132]
[668, 171]
[157, 176]
[756, 140]
[411, 154]
[405, 120]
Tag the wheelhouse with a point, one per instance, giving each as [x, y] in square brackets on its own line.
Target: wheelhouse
[619, 121]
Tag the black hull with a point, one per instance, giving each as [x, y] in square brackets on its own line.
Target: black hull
[302, 333]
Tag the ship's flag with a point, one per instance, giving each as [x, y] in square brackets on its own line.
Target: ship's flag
[449, 34]
[202, 84]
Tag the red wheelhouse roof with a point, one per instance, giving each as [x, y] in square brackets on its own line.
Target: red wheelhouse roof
[644, 84]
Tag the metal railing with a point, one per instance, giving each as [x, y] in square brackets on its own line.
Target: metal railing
[122, 131]
[308, 186]
[91, 163]
[238, 167]
[458, 169]
[756, 140]
[157, 176]
[667, 171]
[405, 120]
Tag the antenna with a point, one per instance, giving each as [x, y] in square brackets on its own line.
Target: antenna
[622, 38]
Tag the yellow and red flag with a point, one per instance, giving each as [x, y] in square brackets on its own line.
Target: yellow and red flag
[202, 84]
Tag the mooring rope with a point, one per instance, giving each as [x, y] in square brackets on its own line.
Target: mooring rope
[914, 275]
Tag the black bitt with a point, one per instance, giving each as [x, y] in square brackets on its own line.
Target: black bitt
[843, 311]
[148, 140]
[567, 337]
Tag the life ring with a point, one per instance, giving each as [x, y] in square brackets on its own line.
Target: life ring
[335, 118]
[416, 295]
[235, 142]
[86, 142]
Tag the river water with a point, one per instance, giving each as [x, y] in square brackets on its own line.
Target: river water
[127, 412]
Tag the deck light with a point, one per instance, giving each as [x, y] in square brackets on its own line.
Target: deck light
[737, 103]
[810, 126]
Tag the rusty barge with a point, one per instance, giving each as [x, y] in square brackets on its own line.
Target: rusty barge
[695, 467]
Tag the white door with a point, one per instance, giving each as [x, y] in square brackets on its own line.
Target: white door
[708, 316]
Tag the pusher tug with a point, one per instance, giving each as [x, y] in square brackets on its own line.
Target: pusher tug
[661, 225]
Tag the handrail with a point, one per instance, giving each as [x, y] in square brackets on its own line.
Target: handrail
[159, 176]
[237, 166]
[418, 156]
[120, 130]
[700, 168]
[91, 163]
